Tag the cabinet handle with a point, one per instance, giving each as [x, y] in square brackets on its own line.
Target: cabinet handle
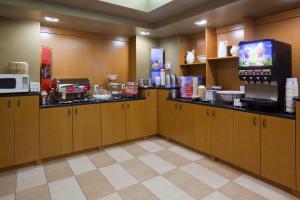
[76, 111]
[264, 123]
[69, 112]
[214, 113]
[128, 106]
[9, 103]
[18, 103]
[148, 93]
[123, 106]
[180, 107]
[254, 121]
[176, 107]
[207, 112]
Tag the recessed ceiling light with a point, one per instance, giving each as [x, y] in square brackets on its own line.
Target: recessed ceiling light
[51, 19]
[201, 22]
[144, 33]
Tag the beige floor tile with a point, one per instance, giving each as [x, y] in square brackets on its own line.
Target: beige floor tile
[162, 142]
[36, 193]
[94, 185]
[80, 164]
[137, 192]
[236, 191]
[8, 197]
[220, 168]
[57, 170]
[216, 196]
[172, 158]
[135, 150]
[101, 159]
[8, 183]
[189, 184]
[139, 170]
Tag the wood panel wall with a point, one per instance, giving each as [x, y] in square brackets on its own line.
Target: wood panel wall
[87, 55]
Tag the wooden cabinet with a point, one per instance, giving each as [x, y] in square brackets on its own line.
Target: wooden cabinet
[298, 145]
[86, 127]
[171, 122]
[247, 141]
[135, 119]
[113, 122]
[26, 129]
[278, 150]
[163, 114]
[7, 141]
[187, 124]
[151, 111]
[222, 134]
[203, 128]
[56, 136]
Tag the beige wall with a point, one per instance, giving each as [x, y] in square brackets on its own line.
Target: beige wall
[171, 47]
[20, 41]
[143, 46]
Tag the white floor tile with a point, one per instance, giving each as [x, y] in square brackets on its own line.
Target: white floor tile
[80, 164]
[262, 188]
[118, 176]
[188, 154]
[113, 196]
[66, 189]
[159, 165]
[29, 177]
[205, 175]
[216, 196]
[119, 154]
[8, 197]
[165, 190]
[150, 146]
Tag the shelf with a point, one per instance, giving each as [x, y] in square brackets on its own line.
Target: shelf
[194, 64]
[223, 58]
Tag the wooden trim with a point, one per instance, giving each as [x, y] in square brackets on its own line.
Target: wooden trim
[132, 58]
[295, 13]
[230, 28]
[249, 29]
[67, 32]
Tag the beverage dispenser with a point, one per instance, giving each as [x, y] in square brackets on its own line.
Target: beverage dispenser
[264, 66]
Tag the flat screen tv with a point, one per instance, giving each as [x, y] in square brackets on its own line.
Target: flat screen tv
[256, 54]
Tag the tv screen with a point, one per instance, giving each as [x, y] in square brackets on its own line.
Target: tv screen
[257, 54]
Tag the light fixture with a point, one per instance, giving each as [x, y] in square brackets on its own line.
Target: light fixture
[144, 33]
[51, 19]
[201, 22]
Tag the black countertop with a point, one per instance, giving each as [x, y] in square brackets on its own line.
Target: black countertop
[19, 94]
[156, 87]
[90, 102]
[227, 106]
[297, 98]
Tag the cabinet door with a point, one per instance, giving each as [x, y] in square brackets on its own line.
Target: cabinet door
[151, 111]
[55, 132]
[203, 128]
[172, 120]
[278, 150]
[7, 153]
[247, 141]
[113, 122]
[222, 134]
[187, 124]
[86, 127]
[162, 112]
[26, 129]
[298, 145]
[135, 119]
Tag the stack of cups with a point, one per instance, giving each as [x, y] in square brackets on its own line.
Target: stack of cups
[291, 92]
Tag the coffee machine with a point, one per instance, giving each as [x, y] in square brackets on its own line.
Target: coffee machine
[264, 66]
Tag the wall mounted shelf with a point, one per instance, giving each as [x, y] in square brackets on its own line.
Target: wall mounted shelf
[192, 65]
[223, 58]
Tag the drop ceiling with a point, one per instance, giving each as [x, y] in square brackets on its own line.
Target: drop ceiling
[162, 19]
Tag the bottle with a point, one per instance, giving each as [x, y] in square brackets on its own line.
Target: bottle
[162, 77]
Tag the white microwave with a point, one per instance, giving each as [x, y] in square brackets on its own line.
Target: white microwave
[14, 83]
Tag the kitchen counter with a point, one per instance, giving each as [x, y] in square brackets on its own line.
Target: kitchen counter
[227, 106]
[155, 87]
[297, 98]
[90, 102]
[19, 94]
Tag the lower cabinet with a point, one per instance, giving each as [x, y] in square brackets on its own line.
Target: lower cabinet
[151, 111]
[162, 110]
[187, 124]
[26, 129]
[278, 150]
[171, 122]
[113, 123]
[86, 127]
[56, 136]
[247, 141]
[203, 128]
[222, 134]
[7, 134]
[135, 119]
[298, 145]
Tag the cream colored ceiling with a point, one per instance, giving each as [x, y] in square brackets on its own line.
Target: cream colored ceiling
[176, 17]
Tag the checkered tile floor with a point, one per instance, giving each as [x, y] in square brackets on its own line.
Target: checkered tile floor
[144, 170]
